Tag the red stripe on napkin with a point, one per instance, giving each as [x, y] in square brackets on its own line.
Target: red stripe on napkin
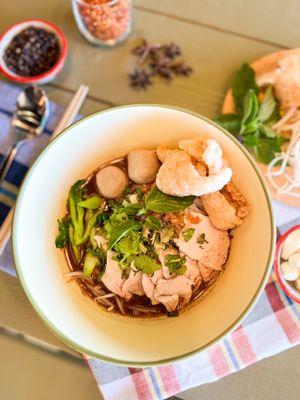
[243, 346]
[283, 316]
[141, 384]
[169, 379]
[218, 361]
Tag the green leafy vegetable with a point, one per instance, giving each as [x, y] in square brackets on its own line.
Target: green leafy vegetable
[231, 122]
[146, 264]
[122, 230]
[251, 107]
[90, 262]
[268, 105]
[153, 223]
[94, 258]
[243, 80]
[93, 202]
[162, 203]
[175, 263]
[266, 149]
[188, 234]
[62, 239]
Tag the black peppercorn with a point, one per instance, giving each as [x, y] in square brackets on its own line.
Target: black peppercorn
[32, 52]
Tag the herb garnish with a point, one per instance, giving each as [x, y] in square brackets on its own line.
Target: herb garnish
[163, 203]
[253, 121]
[176, 264]
[62, 239]
[188, 234]
[146, 264]
[202, 240]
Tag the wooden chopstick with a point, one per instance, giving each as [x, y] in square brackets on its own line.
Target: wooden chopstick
[67, 118]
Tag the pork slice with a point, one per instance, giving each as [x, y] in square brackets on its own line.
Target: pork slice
[192, 271]
[133, 283]
[112, 277]
[179, 285]
[170, 302]
[208, 274]
[208, 245]
[149, 282]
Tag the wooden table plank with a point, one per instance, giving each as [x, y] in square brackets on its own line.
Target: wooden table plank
[17, 313]
[214, 55]
[273, 21]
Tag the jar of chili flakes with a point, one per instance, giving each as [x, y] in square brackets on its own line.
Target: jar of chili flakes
[103, 22]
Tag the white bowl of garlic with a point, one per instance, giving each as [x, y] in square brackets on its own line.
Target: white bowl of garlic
[287, 263]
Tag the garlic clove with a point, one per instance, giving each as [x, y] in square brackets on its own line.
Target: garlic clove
[289, 273]
[291, 244]
[294, 260]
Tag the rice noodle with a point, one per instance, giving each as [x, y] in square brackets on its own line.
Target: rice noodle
[102, 301]
[71, 276]
[107, 296]
[143, 309]
[120, 304]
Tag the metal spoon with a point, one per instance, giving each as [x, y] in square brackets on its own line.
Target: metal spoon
[28, 121]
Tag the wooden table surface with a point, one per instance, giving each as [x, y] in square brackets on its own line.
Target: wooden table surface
[215, 36]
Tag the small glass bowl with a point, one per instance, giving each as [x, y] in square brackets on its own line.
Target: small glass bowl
[103, 23]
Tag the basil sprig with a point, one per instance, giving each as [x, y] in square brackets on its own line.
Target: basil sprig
[252, 123]
[160, 202]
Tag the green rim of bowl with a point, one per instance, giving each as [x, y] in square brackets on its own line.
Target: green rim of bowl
[89, 352]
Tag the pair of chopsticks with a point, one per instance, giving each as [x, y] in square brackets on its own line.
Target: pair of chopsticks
[66, 120]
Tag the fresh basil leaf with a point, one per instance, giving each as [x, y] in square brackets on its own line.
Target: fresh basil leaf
[251, 127]
[122, 230]
[93, 202]
[175, 263]
[267, 106]
[188, 234]
[62, 239]
[231, 122]
[160, 202]
[267, 131]
[250, 140]
[152, 223]
[243, 80]
[251, 107]
[266, 149]
[146, 264]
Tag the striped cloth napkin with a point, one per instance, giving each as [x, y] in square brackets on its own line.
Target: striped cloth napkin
[271, 327]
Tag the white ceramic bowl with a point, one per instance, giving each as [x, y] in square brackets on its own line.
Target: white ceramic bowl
[77, 320]
[47, 76]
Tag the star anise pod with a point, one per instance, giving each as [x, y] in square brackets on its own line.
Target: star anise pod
[171, 50]
[161, 66]
[140, 78]
[144, 50]
[182, 68]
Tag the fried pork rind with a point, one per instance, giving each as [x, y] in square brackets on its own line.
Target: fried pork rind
[184, 172]
[226, 208]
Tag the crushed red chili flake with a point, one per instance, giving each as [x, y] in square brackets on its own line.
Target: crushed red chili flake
[106, 20]
[32, 52]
